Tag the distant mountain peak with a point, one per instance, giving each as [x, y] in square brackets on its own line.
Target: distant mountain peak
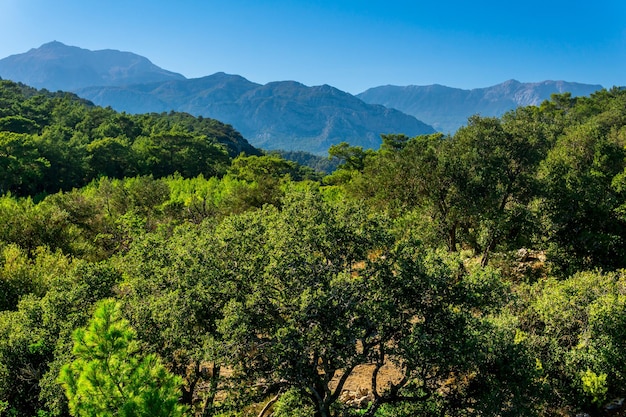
[448, 108]
[52, 45]
[57, 66]
[49, 50]
[282, 114]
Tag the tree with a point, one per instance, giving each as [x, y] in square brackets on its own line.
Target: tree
[111, 377]
[351, 157]
[420, 174]
[18, 124]
[111, 157]
[265, 174]
[174, 293]
[166, 152]
[439, 324]
[292, 321]
[499, 163]
[576, 329]
[21, 164]
[582, 181]
[321, 288]
[470, 190]
[36, 338]
[351, 162]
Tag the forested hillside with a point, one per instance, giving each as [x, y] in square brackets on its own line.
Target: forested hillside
[278, 115]
[144, 271]
[57, 141]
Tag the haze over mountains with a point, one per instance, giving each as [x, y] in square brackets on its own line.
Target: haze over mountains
[56, 66]
[447, 109]
[278, 115]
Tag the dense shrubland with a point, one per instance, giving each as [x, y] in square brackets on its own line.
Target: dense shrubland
[145, 265]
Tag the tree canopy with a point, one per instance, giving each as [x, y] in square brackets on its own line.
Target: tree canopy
[148, 267]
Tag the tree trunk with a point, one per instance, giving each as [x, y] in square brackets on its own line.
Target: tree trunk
[187, 394]
[207, 409]
[452, 238]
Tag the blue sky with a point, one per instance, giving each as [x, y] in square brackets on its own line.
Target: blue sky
[352, 45]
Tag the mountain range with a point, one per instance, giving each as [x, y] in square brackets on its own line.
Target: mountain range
[278, 115]
[447, 108]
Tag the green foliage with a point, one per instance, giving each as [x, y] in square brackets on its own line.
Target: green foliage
[266, 174]
[595, 386]
[482, 267]
[22, 357]
[165, 153]
[319, 164]
[580, 199]
[57, 141]
[351, 157]
[174, 294]
[18, 124]
[36, 336]
[22, 166]
[293, 404]
[326, 291]
[296, 303]
[576, 325]
[110, 376]
[266, 167]
[351, 160]
[112, 157]
[197, 199]
[21, 274]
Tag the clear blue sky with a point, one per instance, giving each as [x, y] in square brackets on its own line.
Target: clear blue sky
[352, 45]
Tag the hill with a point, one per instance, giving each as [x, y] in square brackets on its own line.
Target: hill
[58, 141]
[447, 108]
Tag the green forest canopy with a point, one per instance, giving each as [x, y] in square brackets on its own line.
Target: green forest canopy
[485, 267]
[57, 141]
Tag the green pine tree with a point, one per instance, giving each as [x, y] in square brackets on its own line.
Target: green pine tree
[110, 376]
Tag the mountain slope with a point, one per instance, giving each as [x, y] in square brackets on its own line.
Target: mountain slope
[56, 66]
[281, 115]
[447, 108]
[278, 115]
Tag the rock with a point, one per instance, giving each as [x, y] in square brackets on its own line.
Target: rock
[615, 404]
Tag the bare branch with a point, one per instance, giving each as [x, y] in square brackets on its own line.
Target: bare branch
[269, 404]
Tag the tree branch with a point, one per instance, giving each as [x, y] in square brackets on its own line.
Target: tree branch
[269, 404]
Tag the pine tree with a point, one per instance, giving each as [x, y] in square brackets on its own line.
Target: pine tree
[110, 376]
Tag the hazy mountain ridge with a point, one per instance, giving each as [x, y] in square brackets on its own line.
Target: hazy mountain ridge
[278, 115]
[447, 108]
[56, 66]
